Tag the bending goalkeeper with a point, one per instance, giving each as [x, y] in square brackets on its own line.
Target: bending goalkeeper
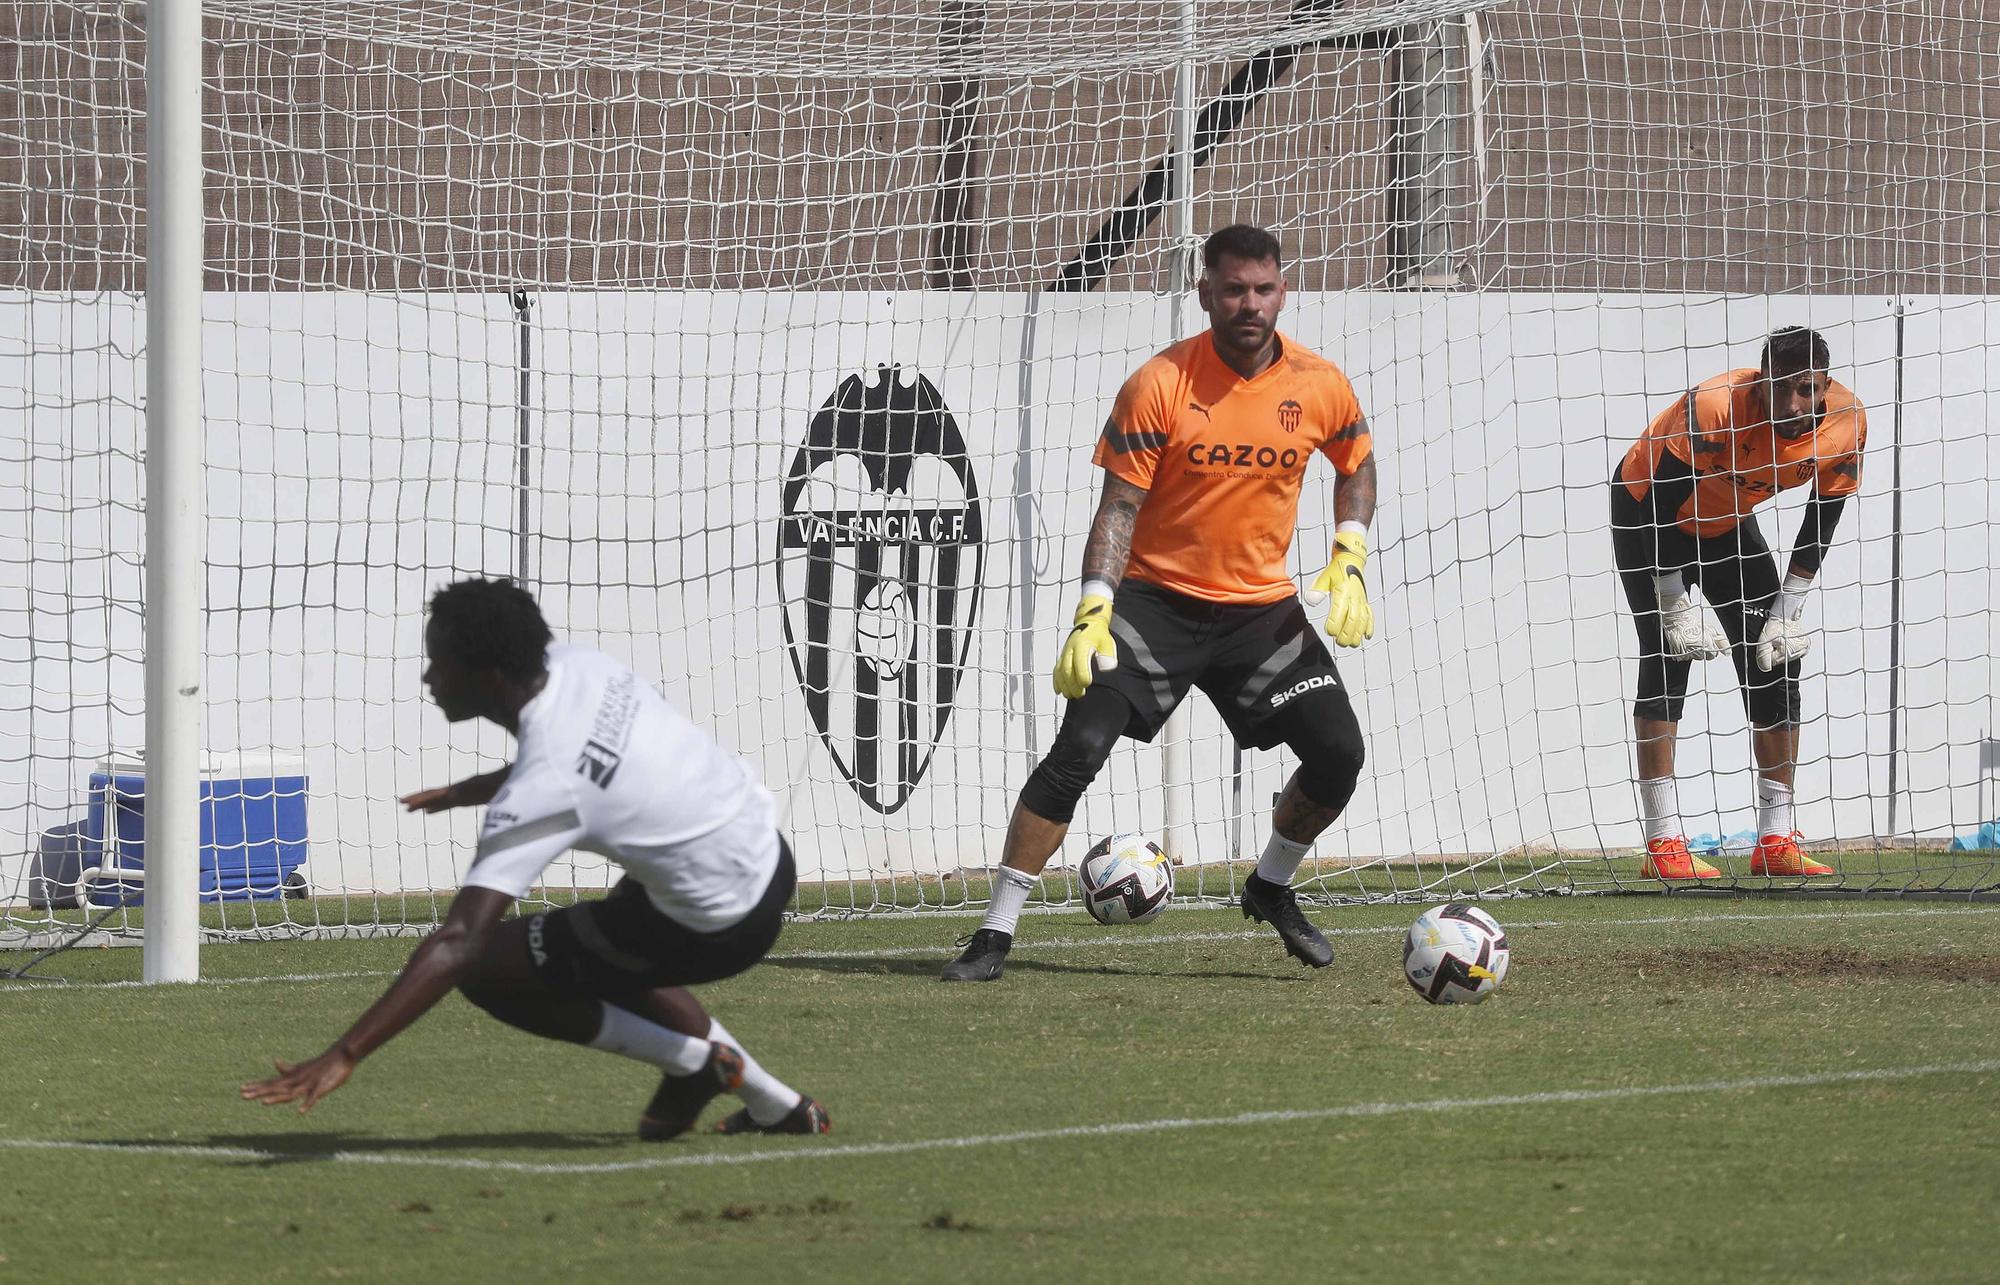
[1681, 517]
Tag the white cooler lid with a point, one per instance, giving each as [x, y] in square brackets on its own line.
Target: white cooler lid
[243, 765]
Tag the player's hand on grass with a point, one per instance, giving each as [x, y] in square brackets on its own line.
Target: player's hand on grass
[1681, 625]
[1089, 643]
[1349, 618]
[305, 1083]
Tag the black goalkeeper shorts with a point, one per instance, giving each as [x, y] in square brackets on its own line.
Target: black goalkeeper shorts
[1253, 662]
[624, 943]
[1737, 575]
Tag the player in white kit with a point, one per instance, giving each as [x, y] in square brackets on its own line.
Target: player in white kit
[607, 765]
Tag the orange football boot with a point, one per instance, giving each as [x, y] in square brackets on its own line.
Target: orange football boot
[1779, 855]
[1670, 859]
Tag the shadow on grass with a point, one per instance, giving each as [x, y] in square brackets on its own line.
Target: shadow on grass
[323, 1145]
[914, 967]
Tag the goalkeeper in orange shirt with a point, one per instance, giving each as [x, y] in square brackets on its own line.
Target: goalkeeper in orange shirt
[1681, 517]
[1184, 585]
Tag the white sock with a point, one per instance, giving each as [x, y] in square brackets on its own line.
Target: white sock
[769, 1098]
[1010, 892]
[1660, 809]
[1281, 860]
[629, 1035]
[1774, 807]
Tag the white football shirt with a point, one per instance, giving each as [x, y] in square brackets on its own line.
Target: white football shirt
[605, 764]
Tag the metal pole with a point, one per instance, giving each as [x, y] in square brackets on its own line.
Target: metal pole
[952, 224]
[1027, 523]
[1426, 157]
[1896, 578]
[174, 544]
[523, 438]
[1176, 755]
[1236, 803]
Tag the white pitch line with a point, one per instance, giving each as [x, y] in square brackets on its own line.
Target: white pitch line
[1116, 940]
[1118, 1129]
[6, 989]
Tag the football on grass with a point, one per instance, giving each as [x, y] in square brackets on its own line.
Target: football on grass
[1455, 954]
[1126, 879]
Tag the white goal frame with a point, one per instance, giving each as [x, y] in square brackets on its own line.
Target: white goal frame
[1450, 122]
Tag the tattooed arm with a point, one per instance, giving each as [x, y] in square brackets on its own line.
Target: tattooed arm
[1089, 646]
[1354, 495]
[1110, 543]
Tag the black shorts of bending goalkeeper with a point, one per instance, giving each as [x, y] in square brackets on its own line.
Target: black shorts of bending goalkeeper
[625, 943]
[1738, 577]
[1255, 663]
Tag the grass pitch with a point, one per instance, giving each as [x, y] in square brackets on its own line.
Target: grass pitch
[1665, 1090]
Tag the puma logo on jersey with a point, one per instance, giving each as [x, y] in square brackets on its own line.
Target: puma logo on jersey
[1200, 410]
[1299, 689]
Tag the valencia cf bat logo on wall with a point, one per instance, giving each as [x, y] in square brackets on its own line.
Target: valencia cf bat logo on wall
[880, 549]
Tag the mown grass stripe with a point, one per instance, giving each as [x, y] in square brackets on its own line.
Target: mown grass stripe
[1115, 940]
[811, 1151]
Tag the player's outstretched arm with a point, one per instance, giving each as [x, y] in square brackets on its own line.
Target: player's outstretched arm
[1089, 646]
[434, 971]
[473, 791]
[1343, 585]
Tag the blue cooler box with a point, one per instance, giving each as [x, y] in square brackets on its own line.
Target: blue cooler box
[253, 829]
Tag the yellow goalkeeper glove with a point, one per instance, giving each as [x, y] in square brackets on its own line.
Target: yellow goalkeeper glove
[1349, 618]
[1090, 637]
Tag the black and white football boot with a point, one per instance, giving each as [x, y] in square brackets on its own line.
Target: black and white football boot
[680, 1099]
[984, 958]
[1278, 906]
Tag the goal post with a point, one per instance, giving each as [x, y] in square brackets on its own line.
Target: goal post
[770, 345]
[175, 549]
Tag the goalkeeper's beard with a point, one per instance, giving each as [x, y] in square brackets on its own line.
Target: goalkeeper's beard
[1246, 337]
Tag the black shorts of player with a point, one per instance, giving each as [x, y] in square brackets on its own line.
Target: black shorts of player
[1738, 577]
[624, 943]
[1253, 662]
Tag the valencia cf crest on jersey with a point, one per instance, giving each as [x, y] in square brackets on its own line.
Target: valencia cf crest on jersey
[880, 549]
[1291, 415]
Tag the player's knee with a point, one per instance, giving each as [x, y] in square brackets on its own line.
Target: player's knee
[1774, 703]
[1327, 739]
[1662, 692]
[1659, 707]
[482, 992]
[1330, 766]
[1072, 763]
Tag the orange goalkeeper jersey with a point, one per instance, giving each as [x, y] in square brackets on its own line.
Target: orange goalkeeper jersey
[1738, 460]
[1222, 459]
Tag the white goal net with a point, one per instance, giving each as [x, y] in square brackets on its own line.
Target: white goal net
[767, 344]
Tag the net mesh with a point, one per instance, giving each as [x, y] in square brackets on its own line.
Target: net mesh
[590, 294]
